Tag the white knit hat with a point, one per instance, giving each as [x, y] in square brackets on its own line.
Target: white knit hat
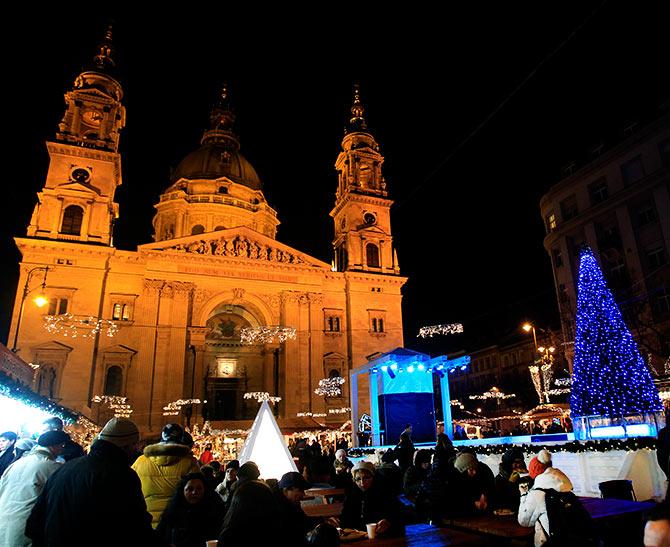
[120, 431]
[543, 456]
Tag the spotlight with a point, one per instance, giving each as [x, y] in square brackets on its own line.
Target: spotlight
[391, 373]
[384, 368]
[394, 367]
[463, 367]
[410, 368]
[421, 367]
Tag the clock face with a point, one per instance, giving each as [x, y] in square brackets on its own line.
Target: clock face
[369, 218]
[80, 175]
[91, 117]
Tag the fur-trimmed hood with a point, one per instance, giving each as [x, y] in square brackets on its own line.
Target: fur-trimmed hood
[167, 452]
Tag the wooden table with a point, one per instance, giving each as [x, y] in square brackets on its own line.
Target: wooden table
[603, 509]
[323, 509]
[422, 535]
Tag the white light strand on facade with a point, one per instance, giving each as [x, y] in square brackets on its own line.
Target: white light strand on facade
[343, 410]
[330, 387]
[311, 415]
[116, 403]
[84, 326]
[537, 382]
[562, 382]
[266, 334]
[547, 373]
[174, 408]
[559, 391]
[261, 396]
[453, 328]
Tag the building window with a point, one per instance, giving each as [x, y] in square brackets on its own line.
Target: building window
[663, 300]
[598, 191]
[219, 228]
[655, 256]
[342, 259]
[223, 190]
[197, 229]
[664, 150]
[645, 216]
[372, 255]
[632, 171]
[72, 217]
[562, 294]
[569, 208]
[333, 323]
[617, 268]
[57, 306]
[377, 324]
[114, 381]
[121, 312]
[557, 258]
[550, 222]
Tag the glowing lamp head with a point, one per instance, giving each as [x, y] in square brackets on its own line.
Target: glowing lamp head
[41, 300]
[552, 349]
[527, 327]
[541, 349]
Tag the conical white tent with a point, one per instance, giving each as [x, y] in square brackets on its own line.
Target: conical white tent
[266, 447]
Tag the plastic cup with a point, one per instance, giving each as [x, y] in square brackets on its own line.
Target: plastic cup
[372, 529]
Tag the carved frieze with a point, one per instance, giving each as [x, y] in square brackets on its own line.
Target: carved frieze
[238, 247]
[153, 286]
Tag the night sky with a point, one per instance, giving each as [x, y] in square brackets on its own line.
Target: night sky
[471, 142]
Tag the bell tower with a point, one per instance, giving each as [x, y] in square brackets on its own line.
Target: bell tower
[76, 202]
[363, 240]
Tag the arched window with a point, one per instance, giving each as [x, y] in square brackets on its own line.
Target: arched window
[223, 190]
[113, 381]
[334, 373]
[219, 228]
[197, 229]
[372, 253]
[72, 217]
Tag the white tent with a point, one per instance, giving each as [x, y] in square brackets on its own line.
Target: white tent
[266, 447]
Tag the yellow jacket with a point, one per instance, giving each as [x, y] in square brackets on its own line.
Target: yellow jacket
[160, 469]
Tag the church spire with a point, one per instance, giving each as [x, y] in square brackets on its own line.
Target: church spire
[103, 61]
[221, 121]
[357, 121]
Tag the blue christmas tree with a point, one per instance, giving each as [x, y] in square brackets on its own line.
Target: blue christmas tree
[610, 377]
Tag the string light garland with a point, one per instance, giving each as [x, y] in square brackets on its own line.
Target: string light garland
[562, 382]
[610, 376]
[174, 408]
[493, 393]
[14, 390]
[261, 396]
[343, 410]
[311, 415]
[267, 334]
[429, 332]
[83, 326]
[573, 447]
[330, 387]
[116, 403]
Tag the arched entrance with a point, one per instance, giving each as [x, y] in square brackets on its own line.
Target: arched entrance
[231, 367]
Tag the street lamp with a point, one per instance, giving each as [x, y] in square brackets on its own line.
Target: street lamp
[40, 300]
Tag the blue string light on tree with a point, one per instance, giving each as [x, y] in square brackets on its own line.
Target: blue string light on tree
[610, 378]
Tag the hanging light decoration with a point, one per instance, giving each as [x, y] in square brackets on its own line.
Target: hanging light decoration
[493, 393]
[330, 387]
[261, 396]
[174, 408]
[343, 410]
[452, 328]
[84, 326]
[311, 415]
[266, 334]
[116, 403]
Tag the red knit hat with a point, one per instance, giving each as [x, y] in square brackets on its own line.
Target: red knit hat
[539, 464]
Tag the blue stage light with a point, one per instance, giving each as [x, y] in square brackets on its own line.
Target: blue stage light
[464, 367]
[440, 367]
[394, 367]
[410, 368]
[391, 373]
[384, 368]
[421, 367]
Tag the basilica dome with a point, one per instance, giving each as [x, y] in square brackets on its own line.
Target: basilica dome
[214, 160]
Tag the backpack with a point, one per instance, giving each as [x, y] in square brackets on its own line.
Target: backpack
[569, 523]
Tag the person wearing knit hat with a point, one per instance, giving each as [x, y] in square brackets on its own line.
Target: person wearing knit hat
[22, 484]
[370, 501]
[539, 464]
[92, 491]
[473, 485]
[507, 480]
[22, 447]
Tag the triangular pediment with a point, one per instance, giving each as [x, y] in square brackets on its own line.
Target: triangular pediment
[118, 348]
[241, 243]
[374, 230]
[78, 187]
[52, 345]
[93, 93]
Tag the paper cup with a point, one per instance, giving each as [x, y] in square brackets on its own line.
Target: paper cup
[372, 530]
[212, 543]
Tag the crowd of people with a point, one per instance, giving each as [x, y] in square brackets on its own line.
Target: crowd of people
[54, 495]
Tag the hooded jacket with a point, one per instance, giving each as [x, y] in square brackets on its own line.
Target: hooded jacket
[532, 507]
[20, 487]
[160, 469]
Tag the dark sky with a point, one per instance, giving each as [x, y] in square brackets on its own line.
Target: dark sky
[466, 222]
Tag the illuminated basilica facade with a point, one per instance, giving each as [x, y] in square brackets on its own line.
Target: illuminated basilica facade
[178, 304]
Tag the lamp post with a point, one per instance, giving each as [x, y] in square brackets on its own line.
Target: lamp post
[541, 370]
[40, 300]
[546, 368]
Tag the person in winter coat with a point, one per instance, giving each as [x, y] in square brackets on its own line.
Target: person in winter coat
[7, 442]
[96, 499]
[342, 465]
[193, 516]
[405, 449]
[511, 467]
[207, 457]
[416, 474]
[294, 523]
[532, 507]
[23, 447]
[369, 502]
[253, 516]
[471, 488]
[224, 489]
[22, 484]
[161, 467]
[390, 474]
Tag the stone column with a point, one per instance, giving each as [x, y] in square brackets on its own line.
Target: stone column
[289, 366]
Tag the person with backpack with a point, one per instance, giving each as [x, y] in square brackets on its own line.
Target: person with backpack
[556, 513]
